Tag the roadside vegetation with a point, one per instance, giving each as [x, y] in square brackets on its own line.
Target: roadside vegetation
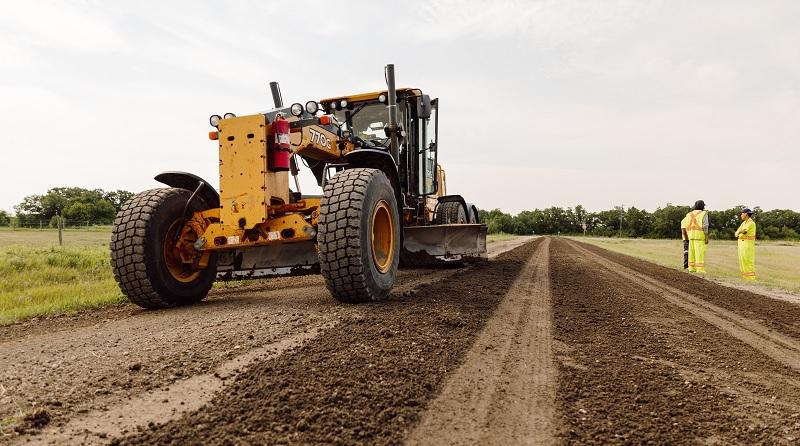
[47, 280]
[500, 237]
[776, 224]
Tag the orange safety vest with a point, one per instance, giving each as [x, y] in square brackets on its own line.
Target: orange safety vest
[695, 228]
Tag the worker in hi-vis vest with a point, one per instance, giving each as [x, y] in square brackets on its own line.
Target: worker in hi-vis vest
[746, 234]
[685, 235]
[697, 231]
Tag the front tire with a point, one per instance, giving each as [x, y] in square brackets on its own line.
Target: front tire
[146, 271]
[359, 235]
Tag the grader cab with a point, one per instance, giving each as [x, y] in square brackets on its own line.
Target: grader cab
[384, 203]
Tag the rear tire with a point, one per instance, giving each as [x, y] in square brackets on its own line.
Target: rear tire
[138, 256]
[359, 235]
[450, 212]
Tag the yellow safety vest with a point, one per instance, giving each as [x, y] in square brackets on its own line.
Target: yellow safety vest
[695, 227]
[747, 230]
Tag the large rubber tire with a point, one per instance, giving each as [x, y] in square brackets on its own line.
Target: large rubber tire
[137, 251]
[347, 218]
[450, 212]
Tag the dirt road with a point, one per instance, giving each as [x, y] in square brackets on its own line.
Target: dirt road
[553, 342]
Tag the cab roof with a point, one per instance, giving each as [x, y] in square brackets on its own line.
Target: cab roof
[373, 95]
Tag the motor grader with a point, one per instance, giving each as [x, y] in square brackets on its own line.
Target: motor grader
[384, 203]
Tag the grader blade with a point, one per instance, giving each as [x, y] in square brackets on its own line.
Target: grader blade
[443, 244]
[288, 259]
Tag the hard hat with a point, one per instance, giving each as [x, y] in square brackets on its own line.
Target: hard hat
[747, 211]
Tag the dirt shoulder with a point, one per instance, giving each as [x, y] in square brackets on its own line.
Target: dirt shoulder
[635, 367]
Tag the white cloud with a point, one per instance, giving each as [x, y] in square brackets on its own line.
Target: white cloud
[542, 102]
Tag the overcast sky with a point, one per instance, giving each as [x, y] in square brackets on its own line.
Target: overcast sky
[542, 103]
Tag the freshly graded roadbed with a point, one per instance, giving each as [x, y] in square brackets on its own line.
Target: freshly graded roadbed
[66, 374]
[554, 342]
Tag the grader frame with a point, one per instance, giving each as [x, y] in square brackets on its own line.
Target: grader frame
[384, 204]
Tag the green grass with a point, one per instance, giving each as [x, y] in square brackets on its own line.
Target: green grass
[777, 263]
[499, 237]
[94, 236]
[38, 277]
[41, 280]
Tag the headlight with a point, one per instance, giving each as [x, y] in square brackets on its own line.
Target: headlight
[228, 116]
[297, 109]
[343, 103]
[312, 107]
[382, 98]
[214, 120]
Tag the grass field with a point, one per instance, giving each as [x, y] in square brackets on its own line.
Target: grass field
[37, 276]
[499, 237]
[777, 263]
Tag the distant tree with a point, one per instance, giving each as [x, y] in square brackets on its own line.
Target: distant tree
[5, 219]
[666, 221]
[637, 223]
[73, 203]
[118, 198]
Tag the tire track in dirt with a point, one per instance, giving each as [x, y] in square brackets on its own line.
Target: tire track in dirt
[166, 403]
[504, 392]
[775, 345]
[775, 313]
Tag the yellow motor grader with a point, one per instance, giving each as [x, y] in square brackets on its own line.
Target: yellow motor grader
[384, 203]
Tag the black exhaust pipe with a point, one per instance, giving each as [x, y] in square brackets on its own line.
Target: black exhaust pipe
[276, 94]
[392, 106]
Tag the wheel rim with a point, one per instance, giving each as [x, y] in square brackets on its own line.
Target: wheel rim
[382, 236]
[180, 271]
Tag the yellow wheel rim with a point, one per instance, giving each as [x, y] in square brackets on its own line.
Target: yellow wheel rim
[182, 272]
[382, 236]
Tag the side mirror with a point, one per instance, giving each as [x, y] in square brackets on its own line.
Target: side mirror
[424, 107]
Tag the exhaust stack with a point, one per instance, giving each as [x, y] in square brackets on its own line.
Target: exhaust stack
[392, 106]
[276, 94]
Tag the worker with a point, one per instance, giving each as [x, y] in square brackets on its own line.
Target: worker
[685, 235]
[697, 232]
[746, 234]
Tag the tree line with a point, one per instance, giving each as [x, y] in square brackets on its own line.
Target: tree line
[74, 204]
[664, 222]
[97, 206]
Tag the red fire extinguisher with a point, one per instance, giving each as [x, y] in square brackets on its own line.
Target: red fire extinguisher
[281, 151]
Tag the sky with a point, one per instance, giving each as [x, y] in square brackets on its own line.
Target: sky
[542, 103]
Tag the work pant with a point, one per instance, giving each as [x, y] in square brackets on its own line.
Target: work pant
[747, 259]
[697, 256]
[685, 254]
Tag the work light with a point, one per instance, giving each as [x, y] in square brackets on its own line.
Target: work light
[312, 107]
[214, 120]
[297, 109]
[228, 115]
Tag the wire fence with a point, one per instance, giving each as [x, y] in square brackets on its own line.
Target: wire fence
[53, 224]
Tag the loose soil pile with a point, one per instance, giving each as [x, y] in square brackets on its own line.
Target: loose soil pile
[365, 381]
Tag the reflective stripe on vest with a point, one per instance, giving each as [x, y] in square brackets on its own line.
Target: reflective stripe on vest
[750, 226]
[695, 228]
